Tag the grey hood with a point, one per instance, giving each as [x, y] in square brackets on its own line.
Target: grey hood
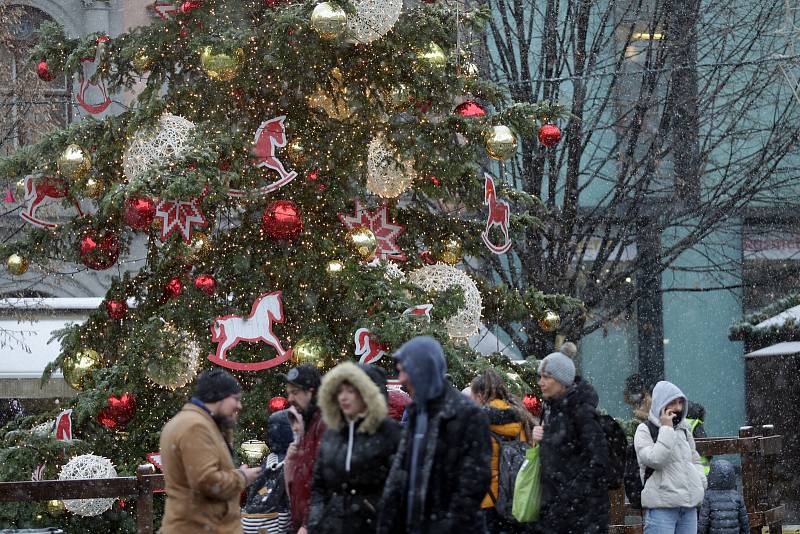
[664, 393]
[722, 476]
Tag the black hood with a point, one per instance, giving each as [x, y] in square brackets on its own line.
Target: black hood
[722, 476]
[696, 411]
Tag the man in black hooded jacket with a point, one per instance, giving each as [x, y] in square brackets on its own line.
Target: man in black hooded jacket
[441, 471]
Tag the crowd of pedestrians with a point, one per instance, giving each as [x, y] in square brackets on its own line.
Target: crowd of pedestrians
[348, 456]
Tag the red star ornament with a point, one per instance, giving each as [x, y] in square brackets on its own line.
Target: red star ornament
[180, 215]
[378, 222]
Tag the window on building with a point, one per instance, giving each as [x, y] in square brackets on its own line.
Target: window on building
[29, 107]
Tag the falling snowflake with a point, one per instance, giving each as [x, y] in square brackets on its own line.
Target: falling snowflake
[180, 215]
[385, 232]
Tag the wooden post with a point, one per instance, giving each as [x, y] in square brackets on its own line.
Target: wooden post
[616, 515]
[144, 501]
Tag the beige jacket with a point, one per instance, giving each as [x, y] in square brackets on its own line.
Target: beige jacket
[203, 486]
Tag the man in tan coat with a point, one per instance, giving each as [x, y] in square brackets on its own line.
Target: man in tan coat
[203, 486]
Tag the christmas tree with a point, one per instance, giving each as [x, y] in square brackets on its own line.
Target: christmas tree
[307, 183]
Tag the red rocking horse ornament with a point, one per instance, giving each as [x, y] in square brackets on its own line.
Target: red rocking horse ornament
[37, 190]
[498, 216]
[270, 136]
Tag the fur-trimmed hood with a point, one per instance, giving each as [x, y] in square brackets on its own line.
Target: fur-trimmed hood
[373, 398]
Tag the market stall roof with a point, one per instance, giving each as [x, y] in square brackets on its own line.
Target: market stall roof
[792, 314]
[787, 348]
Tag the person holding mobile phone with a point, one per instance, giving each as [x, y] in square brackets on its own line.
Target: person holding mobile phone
[670, 467]
[302, 387]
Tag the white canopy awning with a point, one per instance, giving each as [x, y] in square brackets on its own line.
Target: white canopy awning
[787, 348]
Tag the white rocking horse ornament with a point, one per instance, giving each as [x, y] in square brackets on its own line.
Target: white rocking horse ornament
[39, 189]
[227, 331]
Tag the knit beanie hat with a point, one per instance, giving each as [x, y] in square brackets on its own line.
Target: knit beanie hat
[215, 385]
[559, 366]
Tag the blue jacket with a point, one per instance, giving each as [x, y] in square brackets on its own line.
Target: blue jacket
[723, 510]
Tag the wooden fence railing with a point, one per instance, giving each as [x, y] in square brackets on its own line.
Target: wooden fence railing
[758, 447]
[141, 486]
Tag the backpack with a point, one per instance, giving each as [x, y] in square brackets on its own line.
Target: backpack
[633, 478]
[617, 450]
[510, 458]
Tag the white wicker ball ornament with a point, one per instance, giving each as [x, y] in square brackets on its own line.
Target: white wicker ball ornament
[373, 18]
[386, 176]
[441, 276]
[88, 466]
[151, 147]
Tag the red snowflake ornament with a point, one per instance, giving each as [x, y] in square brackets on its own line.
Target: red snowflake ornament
[181, 216]
[385, 232]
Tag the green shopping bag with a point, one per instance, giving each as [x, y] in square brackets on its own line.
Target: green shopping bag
[527, 490]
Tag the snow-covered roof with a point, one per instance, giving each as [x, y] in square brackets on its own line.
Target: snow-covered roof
[786, 348]
[485, 342]
[781, 318]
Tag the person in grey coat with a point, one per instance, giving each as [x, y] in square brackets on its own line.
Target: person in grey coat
[723, 510]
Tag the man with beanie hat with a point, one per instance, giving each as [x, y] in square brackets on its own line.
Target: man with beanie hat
[302, 386]
[573, 451]
[203, 486]
[442, 468]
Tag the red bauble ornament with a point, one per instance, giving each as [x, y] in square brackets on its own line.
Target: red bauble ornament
[139, 212]
[173, 288]
[117, 309]
[190, 5]
[549, 134]
[533, 404]
[43, 71]
[435, 181]
[99, 251]
[281, 220]
[206, 284]
[470, 108]
[277, 404]
[119, 412]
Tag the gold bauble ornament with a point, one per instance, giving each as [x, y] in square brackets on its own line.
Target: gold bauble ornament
[550, 321]
[363, 242]
[222, 66]
[77, 368]
[501, 143]
[253, 451]
[142, 62]
[328, 20]
[74, 163]
[17, 265]
[94, 188]
[452, 251]
[334, 267]
[201, 244]
[432, 57]
[296, 151]
[56, 507]
[309, 351]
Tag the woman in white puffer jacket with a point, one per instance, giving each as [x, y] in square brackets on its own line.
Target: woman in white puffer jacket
[674, 482]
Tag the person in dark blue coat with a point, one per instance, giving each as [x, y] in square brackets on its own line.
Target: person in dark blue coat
[723, 510]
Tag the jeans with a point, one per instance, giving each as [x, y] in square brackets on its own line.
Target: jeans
[670, 521]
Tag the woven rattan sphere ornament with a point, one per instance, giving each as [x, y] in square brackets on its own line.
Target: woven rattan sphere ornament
[221, 66]
[387, 177]
[373, 18]
[151, 147]
[74, 162]
[501, 143]
[328, 20]
[176, 364]
[439, 277]
[88, 466]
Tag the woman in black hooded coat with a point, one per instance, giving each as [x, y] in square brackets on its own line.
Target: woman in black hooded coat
[356, 451]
